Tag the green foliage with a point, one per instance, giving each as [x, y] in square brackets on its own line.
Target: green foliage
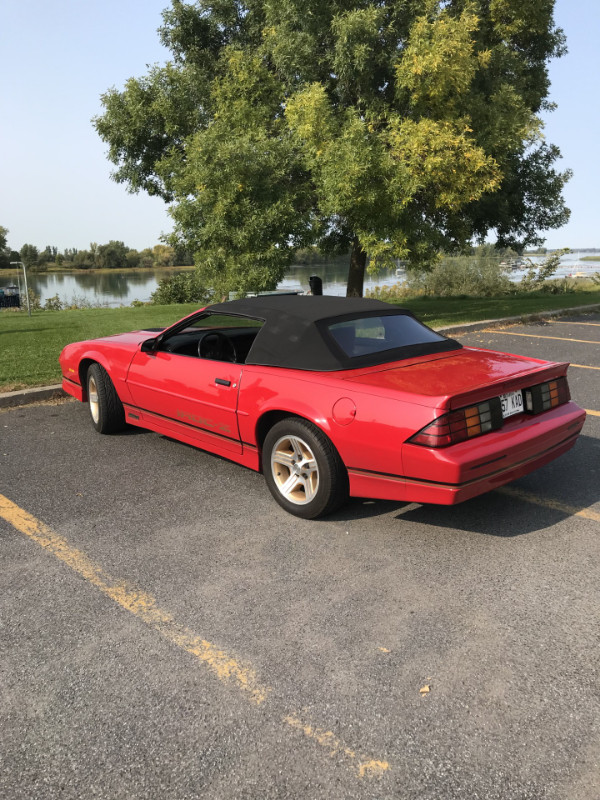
[29, 255]
[31, 346]
[537, 274]
[558, 286]
[396, 293]
[481, 275]
[396, 129]
[596, 278]
[185, 287]
[53, 304]
[5, 257]
[113, 254]
[35, 303]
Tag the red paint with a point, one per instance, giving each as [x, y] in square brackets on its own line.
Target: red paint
[369, 414]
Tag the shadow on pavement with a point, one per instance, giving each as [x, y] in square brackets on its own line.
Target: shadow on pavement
[572, 480]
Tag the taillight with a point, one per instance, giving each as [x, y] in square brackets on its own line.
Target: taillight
[460, 425]
[547, 395]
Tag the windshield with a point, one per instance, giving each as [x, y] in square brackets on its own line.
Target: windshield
[366, 335]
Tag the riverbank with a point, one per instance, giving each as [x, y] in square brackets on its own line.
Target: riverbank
[30, 346]
[14, 273]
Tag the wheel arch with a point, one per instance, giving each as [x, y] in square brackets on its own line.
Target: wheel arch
[270, 418]
[266, 421]
[84, 365]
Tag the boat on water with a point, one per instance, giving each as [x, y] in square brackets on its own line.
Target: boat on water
[10, 297]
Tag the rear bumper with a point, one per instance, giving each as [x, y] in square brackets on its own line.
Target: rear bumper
[458, 473]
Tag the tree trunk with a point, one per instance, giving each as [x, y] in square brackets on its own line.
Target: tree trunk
[356, 273]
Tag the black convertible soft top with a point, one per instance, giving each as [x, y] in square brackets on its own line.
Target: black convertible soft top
[296, 333]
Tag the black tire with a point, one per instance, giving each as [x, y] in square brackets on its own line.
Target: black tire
[106, 410]
[323, 476]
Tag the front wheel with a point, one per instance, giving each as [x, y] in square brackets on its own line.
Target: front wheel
[303, 470]
[106, 409]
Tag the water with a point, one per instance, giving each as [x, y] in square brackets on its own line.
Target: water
[116, 288]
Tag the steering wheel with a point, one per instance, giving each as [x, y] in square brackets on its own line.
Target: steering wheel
[217, 347]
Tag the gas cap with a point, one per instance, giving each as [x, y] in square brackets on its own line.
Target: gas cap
[344, 411]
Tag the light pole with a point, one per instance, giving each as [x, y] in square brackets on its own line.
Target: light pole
[20, 263]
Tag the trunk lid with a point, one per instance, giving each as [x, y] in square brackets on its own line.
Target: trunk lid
[470, 375]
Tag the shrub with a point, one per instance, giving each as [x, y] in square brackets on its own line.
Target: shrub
[34, 301]
[480, 275]
[53, 304]
[536, 275]
[185, 287]
[391, 294]
[558, 286]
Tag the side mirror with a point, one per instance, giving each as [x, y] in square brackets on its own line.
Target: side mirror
[151, 345]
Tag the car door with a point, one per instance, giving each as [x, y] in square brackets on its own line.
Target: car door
[182, 390]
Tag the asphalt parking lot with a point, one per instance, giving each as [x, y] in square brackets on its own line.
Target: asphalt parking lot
[167, 631]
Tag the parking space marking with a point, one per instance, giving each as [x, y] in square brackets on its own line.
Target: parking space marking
[139, 603]
[583, 366]
[223, 665]
[548, 502]
[593, 413]
[328, 740]
[537, 336]
[563, 322]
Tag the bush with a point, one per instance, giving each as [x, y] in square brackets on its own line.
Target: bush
[480, 275]
[536, 275]
[184, 287]
[34, 301]
[391, 294]
[558, 286]
[53, 304]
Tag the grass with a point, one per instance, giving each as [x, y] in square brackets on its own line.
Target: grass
[30, 346]
[591, 258]
[440, 312]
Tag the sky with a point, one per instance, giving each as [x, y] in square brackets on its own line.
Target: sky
[60, 56]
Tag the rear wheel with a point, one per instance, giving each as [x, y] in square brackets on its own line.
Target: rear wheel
[106, 410]
[303, 469]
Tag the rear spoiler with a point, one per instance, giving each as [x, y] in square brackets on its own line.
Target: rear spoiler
[530, 377]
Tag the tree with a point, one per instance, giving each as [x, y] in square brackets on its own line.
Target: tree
[4, 249]
[113, 254]
[391, 128]
[29, 255]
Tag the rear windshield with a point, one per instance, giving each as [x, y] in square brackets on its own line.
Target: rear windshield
[364, 336]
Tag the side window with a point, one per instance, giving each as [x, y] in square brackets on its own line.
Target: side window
[216, 337]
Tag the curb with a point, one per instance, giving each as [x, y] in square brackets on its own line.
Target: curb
[535, 316]
[35, 395]
[40, 393]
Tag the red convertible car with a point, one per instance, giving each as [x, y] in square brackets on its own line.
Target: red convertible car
[332, 397]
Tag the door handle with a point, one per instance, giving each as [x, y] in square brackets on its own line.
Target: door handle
[222, 382]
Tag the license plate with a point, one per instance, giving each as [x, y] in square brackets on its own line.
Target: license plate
[512, 403]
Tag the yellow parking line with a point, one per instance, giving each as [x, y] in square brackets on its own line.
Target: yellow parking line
[583, 366]
[593, 413]
[223, 665]
[563, 322]
[537, 336]
[547, 502]
[139, 603]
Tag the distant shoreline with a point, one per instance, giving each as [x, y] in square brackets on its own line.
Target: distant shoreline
[92, 271]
